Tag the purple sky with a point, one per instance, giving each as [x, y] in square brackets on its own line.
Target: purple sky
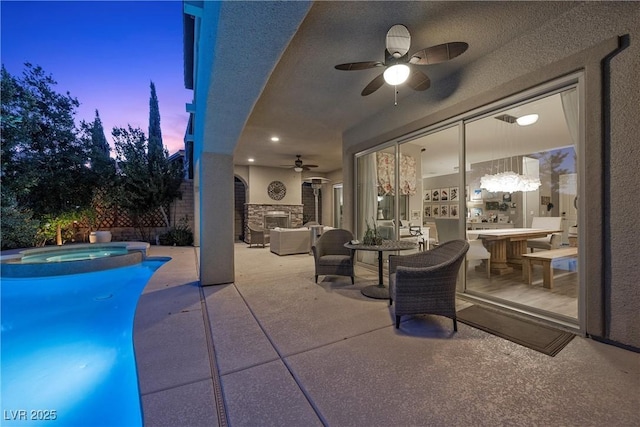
[105, 54]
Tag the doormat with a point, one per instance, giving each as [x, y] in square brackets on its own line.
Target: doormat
[537, 337]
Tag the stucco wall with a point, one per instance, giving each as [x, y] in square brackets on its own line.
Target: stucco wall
[533, 54]
[259, 179]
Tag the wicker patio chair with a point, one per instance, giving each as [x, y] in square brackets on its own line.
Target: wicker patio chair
[257, 236]
[425, 282]
[330, 255]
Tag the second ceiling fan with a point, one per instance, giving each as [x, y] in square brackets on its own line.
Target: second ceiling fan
[298, 166]
[399, 64]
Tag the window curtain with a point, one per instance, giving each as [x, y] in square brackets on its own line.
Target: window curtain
[386, 174]
[570, 107]
[368, 199]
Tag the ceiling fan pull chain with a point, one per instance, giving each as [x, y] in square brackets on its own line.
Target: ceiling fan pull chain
[395, 96]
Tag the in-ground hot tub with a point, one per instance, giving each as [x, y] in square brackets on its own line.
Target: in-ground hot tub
[67, 334]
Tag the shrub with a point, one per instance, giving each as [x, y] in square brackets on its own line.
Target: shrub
[179, 235]
[18, 229]
[48, 229]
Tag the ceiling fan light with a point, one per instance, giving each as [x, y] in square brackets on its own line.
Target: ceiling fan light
[297, 169]
[527, 120]
[396, 74]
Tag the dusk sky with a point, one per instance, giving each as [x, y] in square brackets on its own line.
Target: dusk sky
[105, 53]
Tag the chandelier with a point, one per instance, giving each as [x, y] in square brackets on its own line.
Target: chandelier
[509, 182]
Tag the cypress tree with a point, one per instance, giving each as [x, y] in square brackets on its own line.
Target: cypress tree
[101, 162]
[155, 146]
[98, 138]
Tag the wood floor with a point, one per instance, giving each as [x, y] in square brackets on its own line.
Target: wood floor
[562, 299]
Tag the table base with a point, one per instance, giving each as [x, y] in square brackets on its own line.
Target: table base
[376, 291]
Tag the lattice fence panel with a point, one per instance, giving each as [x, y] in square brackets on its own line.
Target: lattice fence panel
[118, 217]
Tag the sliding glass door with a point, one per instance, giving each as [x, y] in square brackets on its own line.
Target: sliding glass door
[537, 272]
[515, 199]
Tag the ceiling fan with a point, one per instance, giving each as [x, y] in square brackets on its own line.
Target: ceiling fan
[399, 64]
[298, 166]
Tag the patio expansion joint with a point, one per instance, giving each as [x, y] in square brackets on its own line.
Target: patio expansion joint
[160, 390]
[221, 411]
[282, 358]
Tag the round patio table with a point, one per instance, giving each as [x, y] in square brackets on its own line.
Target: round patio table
[380, 291]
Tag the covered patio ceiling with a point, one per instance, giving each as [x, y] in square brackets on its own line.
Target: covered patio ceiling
[308, 104]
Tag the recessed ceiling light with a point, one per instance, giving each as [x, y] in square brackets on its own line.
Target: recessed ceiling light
[275, 139]
[251, 160]
[527, 120]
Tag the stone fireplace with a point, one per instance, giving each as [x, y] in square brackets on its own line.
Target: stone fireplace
[271, 216]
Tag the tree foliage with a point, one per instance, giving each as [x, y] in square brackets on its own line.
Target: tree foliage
[104, 195]
[146, 183]
[52, 171]
[99, 151]
[44, 164]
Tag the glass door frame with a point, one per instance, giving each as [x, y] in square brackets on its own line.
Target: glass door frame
[337, 205]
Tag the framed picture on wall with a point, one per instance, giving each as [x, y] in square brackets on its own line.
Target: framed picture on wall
[453, 211]
[435, 211]
[435, 195]
[444, 194]
[444, 211]
[454, 195]
[476, 194]
[492, 206]
[489, 195]
[427, 211]
[476, 212]
[415, 215]
[427, 195]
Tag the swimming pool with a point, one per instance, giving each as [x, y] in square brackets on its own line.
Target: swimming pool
[67, 341]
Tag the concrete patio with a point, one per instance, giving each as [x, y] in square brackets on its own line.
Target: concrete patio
[276, 349]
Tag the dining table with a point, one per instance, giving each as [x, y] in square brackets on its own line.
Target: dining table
[380, 291]
[507, 245]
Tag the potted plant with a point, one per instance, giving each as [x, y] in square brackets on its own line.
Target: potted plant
[371, 235]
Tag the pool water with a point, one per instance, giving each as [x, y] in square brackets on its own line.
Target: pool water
[67, 347]
[73, 255]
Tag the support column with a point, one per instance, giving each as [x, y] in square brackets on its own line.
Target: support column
[216, 219]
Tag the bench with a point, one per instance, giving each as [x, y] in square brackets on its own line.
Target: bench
[545, 259]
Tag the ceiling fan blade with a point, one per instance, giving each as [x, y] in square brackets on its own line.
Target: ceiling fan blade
[418, 80]
[398, 40]
[354, 66]
[310, 166]
[440, 53]
[373, 86]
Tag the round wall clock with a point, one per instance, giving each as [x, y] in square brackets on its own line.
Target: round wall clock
[276, 190]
